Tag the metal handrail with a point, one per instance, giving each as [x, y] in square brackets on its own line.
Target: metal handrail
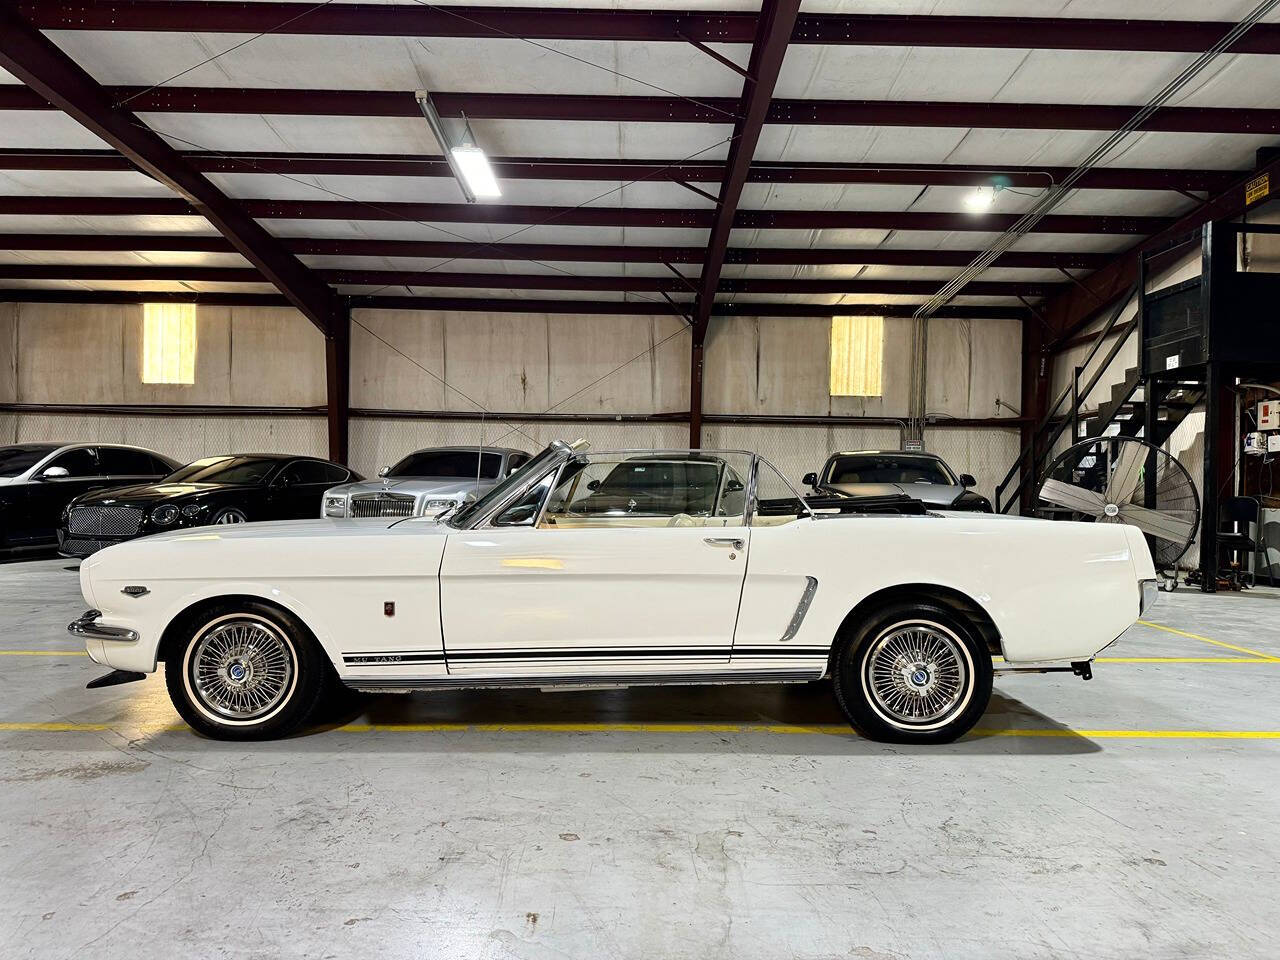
[1072, 390]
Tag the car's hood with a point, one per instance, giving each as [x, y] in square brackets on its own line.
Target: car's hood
[281, 530]
[431, 486]
[934, 494]
[5, 481]
[147, 493]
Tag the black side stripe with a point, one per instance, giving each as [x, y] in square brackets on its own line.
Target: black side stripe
[582, 653]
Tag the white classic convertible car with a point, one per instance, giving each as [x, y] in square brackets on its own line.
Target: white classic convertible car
[593, 569]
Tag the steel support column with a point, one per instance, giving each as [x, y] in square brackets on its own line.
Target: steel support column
[696, 353]
[337, 363]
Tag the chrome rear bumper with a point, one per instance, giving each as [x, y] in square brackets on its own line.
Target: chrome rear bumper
[86, 627]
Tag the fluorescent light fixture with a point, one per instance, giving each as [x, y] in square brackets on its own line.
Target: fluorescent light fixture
[466, 160]
[476, 171]
[981, 199]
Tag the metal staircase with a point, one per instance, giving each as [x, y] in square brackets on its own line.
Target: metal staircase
[1126, 409]
[1124, 412]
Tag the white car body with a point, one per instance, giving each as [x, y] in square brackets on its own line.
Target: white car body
[751, 599]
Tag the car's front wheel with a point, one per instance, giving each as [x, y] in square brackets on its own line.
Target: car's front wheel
[245, 671]
[913, 673]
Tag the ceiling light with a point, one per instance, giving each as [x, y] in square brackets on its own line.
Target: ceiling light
[475, 168]
[981, 199]
[466, 160]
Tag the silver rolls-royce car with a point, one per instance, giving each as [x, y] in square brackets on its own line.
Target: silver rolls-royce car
[426, 483]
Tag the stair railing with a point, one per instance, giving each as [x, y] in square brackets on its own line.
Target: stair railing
[1049, 429]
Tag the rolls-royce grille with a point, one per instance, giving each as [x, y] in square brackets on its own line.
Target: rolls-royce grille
[382, 505]
[107, 521]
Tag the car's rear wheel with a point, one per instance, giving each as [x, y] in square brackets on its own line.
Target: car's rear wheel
[245, 671]
[913, 673]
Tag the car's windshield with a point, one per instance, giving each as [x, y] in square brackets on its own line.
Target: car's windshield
[657, 487]
[16, 460]
[479, 507]
[240, 471]
[886, 468]
[448, 463]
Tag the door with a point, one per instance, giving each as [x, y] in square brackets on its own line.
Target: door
[632, 565]
[50, 490]
[298, 489]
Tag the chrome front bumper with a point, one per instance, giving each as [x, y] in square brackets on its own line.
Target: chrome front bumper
[86, 627]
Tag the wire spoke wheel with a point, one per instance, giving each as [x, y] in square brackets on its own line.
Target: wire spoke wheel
[242, 669]
[917, 674]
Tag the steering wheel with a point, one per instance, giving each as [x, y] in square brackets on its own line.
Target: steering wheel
[682, 520]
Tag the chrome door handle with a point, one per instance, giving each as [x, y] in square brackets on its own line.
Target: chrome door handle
[724, 542]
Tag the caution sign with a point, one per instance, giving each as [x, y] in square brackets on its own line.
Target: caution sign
[1255, 190]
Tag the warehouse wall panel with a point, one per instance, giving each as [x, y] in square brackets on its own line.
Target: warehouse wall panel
[518, 362]
[511, 363]
[84, 353]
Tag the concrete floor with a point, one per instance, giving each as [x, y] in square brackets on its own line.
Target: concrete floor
[685, 823]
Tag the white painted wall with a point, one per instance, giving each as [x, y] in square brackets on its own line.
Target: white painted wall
[80, 353]
[780, 366]
[508, 363]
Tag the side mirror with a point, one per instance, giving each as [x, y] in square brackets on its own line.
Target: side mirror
[810, 480]
[383, 471]
[733, 486]
[968, 480]
[593, 485]
[55, 473]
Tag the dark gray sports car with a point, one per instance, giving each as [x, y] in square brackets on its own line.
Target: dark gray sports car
[889, 473]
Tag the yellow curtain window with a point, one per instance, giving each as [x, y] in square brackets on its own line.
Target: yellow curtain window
[857, 356]
[169, 343]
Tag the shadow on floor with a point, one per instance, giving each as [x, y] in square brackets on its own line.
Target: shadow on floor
[748, 705]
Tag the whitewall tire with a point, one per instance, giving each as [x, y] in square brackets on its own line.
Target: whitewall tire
[913, 673]
[245, 671]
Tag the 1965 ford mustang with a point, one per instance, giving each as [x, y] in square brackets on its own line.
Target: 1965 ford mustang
[582, 568]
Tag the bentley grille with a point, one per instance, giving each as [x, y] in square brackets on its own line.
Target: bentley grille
[382, 505]
[106, 521]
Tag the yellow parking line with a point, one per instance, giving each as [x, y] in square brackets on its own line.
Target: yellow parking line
[42, 653]
[1216, 643]
[1185, 660]
[1136, 734]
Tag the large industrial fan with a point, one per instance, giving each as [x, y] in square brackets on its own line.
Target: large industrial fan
[1106, 479]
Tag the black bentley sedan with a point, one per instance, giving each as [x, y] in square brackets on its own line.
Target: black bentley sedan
[38, 480]
[236, 488]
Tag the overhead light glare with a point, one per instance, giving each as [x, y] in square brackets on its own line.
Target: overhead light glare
[468, 162]
[476, 171]
[981, 199]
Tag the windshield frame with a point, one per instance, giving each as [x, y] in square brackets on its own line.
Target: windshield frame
[473, 514]
[899, 456]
